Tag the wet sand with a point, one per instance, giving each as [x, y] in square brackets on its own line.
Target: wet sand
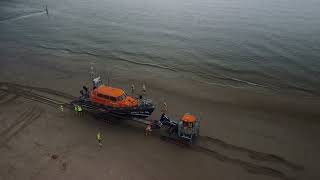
[254, 134]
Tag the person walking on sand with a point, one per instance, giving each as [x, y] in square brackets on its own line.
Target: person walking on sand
[144, 89]
[78, 109]
[148, 130]
[164, 108]
[132, 88]
[61, 108]
[99, 139]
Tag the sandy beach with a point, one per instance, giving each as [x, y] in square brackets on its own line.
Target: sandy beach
[253, 134]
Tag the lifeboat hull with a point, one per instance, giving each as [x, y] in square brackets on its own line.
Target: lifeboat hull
[142, 111]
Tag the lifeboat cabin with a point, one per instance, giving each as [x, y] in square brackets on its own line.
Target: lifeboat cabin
[112, 97]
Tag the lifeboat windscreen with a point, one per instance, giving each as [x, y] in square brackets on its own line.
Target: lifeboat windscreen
[122, 97]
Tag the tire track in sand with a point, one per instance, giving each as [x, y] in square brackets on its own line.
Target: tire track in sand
[22, 117]
[40, 89]
[33, 96]
[26, 119]
[250, 167]
[256, 155]
[8, 98]
[2, 94]
[32, 93]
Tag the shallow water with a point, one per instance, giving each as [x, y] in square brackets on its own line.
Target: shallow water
[271, 44]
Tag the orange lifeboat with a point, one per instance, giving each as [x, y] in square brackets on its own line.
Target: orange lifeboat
[106, 100]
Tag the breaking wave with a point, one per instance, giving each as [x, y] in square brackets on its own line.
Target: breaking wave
[22, 16]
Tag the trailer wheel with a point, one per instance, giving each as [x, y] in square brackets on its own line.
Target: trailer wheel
[198, 132]
[190, 141]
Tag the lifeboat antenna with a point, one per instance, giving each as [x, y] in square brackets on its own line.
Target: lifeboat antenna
[109, 77]
[95, 80]
[91, 73]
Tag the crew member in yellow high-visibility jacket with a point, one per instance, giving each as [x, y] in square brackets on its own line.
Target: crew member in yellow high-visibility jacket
[78, 109]
[99, 139]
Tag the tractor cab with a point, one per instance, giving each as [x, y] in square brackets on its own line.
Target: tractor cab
[188, 120]
[188, 127]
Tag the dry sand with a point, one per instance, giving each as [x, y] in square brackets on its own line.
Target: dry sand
[38, 141]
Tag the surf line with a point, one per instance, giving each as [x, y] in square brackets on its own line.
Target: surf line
[23, 16]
